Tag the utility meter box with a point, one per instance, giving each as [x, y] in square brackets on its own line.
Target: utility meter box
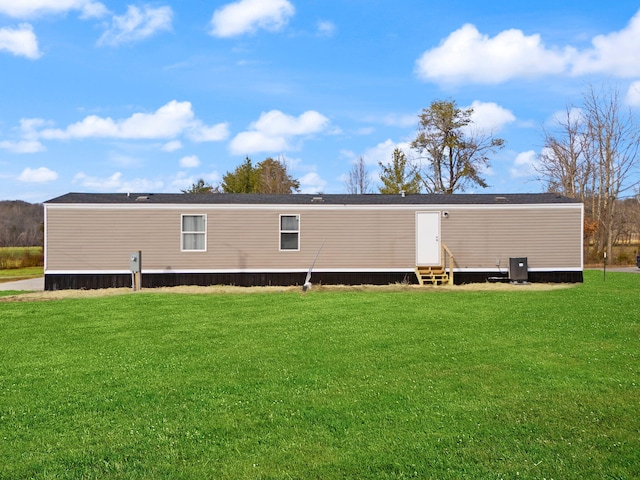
[135, 262]
[518, 269]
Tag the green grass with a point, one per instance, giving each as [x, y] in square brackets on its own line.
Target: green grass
[7, 293]
[14, 274]
[398, 384]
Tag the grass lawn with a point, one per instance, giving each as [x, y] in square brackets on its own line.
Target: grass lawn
[335, 384]
[14, 274]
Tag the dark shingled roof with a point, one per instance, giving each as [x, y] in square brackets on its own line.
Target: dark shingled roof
[305, 199]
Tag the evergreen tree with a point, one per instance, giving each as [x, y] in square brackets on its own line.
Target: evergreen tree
[400, 175]
[242, 180]
[268, 176]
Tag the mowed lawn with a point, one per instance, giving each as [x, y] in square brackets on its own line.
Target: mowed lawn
[436, 384]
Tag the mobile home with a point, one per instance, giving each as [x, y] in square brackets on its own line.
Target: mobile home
[247, 239]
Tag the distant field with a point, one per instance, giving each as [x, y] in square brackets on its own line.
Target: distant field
[432, 383]
[18, 263]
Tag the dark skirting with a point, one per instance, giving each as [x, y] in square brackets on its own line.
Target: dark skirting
[153, 280]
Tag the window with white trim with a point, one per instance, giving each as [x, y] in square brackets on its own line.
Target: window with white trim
[289, 232]
[194, 233]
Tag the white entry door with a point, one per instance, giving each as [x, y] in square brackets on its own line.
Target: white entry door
[428, 238]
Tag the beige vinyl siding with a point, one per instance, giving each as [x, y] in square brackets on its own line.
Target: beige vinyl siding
[250, 239]
[101, 237]
[548, 237]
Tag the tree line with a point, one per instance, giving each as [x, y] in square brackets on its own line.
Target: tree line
[269, 176]
[452, 158]
[21, 224]
[591, 154]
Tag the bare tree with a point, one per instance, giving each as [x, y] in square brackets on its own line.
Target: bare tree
[594, 157]
[615, 145]
[565, 163]
[627, 221]
[21, 224]
[358, 181]
[272, 177]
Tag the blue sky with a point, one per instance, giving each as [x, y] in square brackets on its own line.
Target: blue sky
[111, 96]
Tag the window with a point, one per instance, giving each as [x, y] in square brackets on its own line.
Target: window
[194, 233]
[289, 232]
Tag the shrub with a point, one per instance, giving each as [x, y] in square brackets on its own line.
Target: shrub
[624, 258]
[21, 257]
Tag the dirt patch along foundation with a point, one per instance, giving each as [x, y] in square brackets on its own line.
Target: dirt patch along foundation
[316, 289]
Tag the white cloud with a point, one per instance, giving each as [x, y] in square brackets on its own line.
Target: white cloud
[20, 41]
[633, 94]
[172, 146]
[28, 141]
[123, 160]
[524, 165]
[468, 56]
[383, 152]
[116, 183]
[247, 16]
[326, 28]
[22, 146]
[277, 123]
[364, 131]
[38, 175]
[204, 133]
[348, 154]
[29, 126]
[191, 161]
[274, 130]
[613, 54]
[312, 183]
[168, 122]
[574, 116]
[252, 142]
[33, 8]
[183, 181]
[405, 120]
[110, 183]
[490, 117]
[137, 24]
